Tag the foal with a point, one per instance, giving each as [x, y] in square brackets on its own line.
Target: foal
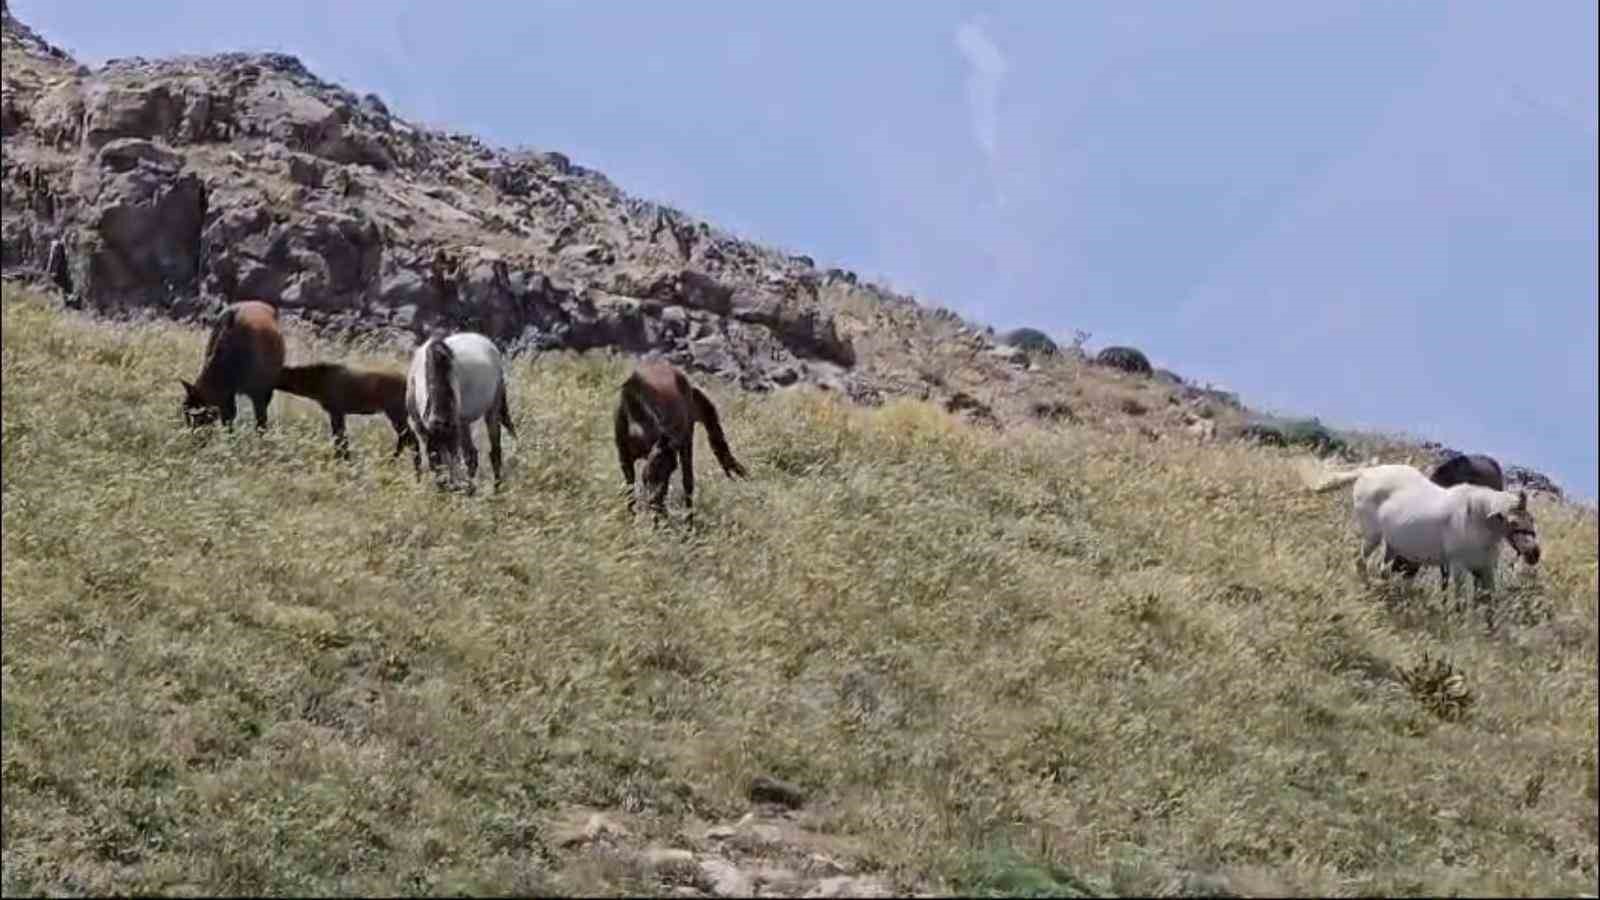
[657, 409]
[453, 382]
[243, 355]
[342, 391]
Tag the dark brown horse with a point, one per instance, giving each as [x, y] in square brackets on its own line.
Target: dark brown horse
[342, 391]
[657, 409]
[244, 355]
[1462, 468]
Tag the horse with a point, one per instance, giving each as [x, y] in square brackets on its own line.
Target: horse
[1469, 469]
[342, 391]
[1458, 528]
[657, 409]
[243, 355]
[452, 383]
[1461, 468]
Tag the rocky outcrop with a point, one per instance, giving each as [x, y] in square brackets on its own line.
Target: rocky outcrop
[175, 186]
[187, 183]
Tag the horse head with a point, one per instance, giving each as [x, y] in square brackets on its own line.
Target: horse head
[197, 411]
[1510, 516]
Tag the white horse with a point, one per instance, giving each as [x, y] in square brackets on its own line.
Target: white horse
[1458, 528]
[452, 383]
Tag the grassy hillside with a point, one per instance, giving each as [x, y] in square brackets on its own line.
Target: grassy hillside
[1029, 661]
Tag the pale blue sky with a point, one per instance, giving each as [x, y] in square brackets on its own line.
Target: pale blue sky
[1380, 213]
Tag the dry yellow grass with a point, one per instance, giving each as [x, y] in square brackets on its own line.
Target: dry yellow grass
[236, 665]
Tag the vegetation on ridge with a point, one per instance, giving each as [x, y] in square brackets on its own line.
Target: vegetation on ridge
[236, 665]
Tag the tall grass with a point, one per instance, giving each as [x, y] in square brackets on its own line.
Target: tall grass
[234, 664]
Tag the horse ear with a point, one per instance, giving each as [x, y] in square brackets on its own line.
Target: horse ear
[1522, 500]
[188, 389]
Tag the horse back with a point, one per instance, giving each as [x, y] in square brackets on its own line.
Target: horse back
[249, 349]
[666, 390]
[1470, 469]
[478, 373]
[381, 391]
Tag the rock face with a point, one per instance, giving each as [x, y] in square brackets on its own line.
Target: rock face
[176, 186]
[184, 184]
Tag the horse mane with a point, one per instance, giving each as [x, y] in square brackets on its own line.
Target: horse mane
[437, 367]
[217, 358]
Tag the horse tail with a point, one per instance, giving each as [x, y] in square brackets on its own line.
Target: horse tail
[505, 410]
[1320, 481]
[437, 374]
[706, 412]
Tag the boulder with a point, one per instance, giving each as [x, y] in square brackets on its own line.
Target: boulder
[1127, 359]
[1031, 340]
[141, 240]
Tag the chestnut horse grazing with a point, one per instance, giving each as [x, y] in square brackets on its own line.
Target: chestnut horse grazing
[656, 412]
[453, 382]
[343, 391]
[244, 355]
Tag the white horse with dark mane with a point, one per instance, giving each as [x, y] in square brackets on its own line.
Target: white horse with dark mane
[452, 383]
[1458, 528]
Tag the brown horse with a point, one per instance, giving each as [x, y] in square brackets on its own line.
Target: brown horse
[657, 409]
[244, 355]
[342, 391]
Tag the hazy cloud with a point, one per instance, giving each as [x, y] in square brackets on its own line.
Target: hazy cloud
[986, 68]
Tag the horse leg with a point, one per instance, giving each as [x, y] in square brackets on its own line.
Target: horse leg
[341, 441]
[625, 454]
[686, 459]
[1368, 545]
[470, 451]
[260, 401]
[658, 475]
[496, 459]
[230, 410]
[402, 435]
[1484, 582]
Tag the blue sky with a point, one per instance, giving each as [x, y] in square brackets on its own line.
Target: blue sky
[1380, 213]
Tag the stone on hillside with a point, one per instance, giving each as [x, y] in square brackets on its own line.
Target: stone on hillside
[1529, 480]
[850, 886]
[127, 112]
[1011, 356]
[143, 238]
[123, 154]
[766, 789]
[1053, 411]
[1128, 359]
[1308, 433]
[724, 879]
[1030, 339]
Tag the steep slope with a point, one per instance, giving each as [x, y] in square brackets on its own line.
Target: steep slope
[1020, 661]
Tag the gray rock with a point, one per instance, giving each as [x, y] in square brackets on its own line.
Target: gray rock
[1011, 356]
[123, 154]
[122, 112]
[1127, 359]
[724, 879]
[142, 239]
[766, 789]
[1031, 340]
